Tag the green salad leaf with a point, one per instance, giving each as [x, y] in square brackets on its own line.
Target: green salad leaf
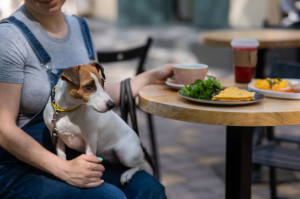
[202, 89]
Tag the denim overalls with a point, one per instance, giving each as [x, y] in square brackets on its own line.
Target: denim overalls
[20, 180]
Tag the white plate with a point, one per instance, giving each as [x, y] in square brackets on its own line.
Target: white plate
[275, 94]
[257, 98]
[171, 83]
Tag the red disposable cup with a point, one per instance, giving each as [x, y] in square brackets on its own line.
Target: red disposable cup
[244, 58]
[243, 74]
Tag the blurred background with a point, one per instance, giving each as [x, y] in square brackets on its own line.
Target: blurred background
[198, 13]
[191, 156]
[177, 25]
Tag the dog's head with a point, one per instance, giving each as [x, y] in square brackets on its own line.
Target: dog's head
[86, 82]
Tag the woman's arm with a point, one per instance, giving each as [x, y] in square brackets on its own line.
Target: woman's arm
[84, 171]
[154, 76]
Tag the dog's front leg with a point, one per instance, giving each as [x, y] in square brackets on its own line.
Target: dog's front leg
[91, 145]
[61, 149]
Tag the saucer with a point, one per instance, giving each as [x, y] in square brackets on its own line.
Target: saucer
[172, 84]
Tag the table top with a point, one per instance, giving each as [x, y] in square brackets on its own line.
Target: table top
[162, 101]
[268, 38]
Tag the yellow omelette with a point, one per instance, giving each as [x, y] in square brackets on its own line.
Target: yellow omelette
[234, 94]
[271, 84]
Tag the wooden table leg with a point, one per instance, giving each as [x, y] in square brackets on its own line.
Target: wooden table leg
[238, 162]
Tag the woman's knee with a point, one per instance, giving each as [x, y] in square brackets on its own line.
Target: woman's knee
[143, 185]
[155, 189]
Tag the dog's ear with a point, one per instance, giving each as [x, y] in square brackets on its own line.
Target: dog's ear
[99, 67]
[71, 75]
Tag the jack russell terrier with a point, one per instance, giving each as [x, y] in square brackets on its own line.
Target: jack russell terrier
[81, 116]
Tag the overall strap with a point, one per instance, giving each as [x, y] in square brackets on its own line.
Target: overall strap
[40, 51]
[35, 44]
[87, 37]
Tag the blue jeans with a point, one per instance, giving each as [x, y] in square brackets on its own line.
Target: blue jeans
[19, 180]
[23, 181]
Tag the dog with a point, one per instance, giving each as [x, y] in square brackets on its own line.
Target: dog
[85, 122]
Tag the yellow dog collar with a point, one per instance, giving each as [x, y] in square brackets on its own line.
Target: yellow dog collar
[57, 108]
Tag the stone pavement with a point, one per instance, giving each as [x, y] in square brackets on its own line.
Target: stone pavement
[192, 156]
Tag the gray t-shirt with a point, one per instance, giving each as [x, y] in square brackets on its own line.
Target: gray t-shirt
[19, 63]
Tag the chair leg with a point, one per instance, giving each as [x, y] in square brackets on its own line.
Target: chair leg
[270, 132]
[272, 178]
[153, 144]
[256, 141]
[258, 136]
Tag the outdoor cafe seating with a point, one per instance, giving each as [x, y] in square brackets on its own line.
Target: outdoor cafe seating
[273, 154]
[240, 119]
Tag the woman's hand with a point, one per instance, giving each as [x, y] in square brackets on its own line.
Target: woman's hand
[85, 171]
[155, 76]
[160, 75]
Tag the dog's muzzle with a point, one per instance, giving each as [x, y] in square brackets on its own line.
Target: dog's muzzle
[110, 104]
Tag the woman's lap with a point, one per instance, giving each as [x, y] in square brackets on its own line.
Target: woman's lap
[23, 181]
[18, 180]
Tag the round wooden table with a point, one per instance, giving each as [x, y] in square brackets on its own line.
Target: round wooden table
[268, 38]
[240, 121]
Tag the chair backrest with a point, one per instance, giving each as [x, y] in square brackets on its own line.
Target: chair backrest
[127, 103]
[284, 69]
[139, 52]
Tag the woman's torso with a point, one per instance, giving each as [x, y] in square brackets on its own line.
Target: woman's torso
[20, 64]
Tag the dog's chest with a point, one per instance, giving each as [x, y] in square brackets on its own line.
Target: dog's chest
[71, 134]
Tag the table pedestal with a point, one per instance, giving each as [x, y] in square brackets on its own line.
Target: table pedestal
[238, 162]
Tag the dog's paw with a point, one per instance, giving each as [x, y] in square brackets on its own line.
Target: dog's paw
[127, 175]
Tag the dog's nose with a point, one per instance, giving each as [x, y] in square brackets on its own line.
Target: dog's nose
[110, 104]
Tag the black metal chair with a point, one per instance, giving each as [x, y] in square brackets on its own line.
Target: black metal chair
[272, 154]
[139, 53]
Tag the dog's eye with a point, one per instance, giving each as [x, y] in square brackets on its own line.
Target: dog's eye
[90, 87]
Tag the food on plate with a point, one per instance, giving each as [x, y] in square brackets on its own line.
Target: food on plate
[202, 89]
[234, 94]
[275, 84]
[296, 87]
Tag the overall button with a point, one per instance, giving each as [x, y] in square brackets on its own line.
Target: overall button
[54, 71]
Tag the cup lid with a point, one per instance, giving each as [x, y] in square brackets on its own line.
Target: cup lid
[245, 42]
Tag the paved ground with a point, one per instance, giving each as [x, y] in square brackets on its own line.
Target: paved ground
[191, 155]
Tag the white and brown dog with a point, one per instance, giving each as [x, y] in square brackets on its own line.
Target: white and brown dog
[86, 122]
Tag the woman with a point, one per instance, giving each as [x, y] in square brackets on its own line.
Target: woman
[28, 166]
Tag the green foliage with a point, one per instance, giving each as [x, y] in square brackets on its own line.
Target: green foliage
[202, 89]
